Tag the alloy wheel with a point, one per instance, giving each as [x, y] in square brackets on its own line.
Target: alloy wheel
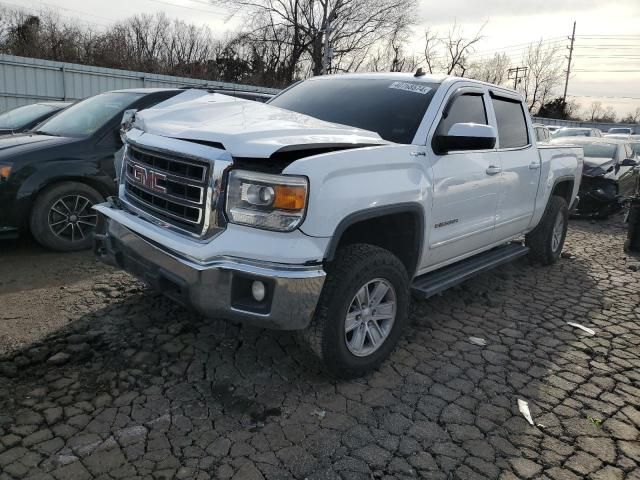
[71, 218]
[370, 317]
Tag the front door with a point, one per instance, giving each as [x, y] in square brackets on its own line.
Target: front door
[465, 190]
[520, 168]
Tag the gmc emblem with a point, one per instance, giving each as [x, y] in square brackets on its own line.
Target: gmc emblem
[149, 178]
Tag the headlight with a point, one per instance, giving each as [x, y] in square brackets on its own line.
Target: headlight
[272, 202]
[5, 171]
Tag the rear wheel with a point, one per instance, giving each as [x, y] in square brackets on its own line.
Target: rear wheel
[63, 219]
[361, 312]
[547, 239]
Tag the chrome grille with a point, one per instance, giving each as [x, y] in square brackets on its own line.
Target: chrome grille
[168, 187]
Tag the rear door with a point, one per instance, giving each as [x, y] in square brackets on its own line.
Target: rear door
[466, 184]
[520, 167]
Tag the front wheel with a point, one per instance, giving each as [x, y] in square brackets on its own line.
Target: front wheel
[62, 217]
[547, 239]
[362, 310]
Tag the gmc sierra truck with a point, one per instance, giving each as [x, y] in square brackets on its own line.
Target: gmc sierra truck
[324, 209]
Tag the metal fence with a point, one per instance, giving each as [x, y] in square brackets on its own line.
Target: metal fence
[575, 123]
[29, 80]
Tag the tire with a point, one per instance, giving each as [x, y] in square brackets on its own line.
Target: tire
[65, 205]
[545, 248]
[354, 267]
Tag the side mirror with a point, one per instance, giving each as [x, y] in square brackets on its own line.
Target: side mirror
[465, 136]
[629, 162]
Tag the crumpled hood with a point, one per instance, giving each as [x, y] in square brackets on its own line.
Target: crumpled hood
[247, 128]
[595, 166]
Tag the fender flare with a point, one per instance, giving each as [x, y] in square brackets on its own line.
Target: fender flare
[415, 209]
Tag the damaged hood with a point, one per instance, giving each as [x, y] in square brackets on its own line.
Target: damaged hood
[597, 166]
[247, 128]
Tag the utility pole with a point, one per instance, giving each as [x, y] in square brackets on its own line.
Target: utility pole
[514, 73]
[327, 54]
[566, 81]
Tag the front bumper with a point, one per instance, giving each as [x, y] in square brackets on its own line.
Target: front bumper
[221, 287]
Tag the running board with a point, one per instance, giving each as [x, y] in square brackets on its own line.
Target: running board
[432, 283]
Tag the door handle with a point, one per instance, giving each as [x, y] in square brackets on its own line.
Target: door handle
[492, 170]
[534, 165]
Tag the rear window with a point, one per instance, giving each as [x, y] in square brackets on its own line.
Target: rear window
[512, 125]
[393, 109]
[21, 116]
[599, 150]
[573, 132]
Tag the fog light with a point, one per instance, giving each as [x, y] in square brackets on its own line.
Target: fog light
[258, 291]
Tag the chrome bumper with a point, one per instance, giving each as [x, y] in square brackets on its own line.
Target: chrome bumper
[220, 288]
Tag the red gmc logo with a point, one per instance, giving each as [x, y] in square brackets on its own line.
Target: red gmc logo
[149, 178]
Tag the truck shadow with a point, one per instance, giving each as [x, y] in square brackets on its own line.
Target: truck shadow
[439, 396]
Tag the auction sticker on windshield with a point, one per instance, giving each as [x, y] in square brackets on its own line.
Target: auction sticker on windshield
[411, 87]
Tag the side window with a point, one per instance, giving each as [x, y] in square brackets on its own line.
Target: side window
[467, 108]
[512, 126]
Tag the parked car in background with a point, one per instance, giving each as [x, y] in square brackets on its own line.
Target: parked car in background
[323, 209]
[634, 140]
[620, 130]
[609, 174]
[553, 128]
[50, 177]
[543, 134]
[577, 132]
[25, 118]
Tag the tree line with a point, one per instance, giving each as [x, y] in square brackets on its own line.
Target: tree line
[284, 41]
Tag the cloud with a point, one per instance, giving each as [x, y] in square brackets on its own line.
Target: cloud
[476, 11]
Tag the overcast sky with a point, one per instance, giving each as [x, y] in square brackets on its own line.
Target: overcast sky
[608, 33]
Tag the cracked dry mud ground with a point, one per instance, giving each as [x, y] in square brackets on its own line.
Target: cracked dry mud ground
[125, 384]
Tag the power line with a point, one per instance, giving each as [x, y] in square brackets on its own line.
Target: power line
[212, 10]
[35, 11]
[607, 71]
[605, 96]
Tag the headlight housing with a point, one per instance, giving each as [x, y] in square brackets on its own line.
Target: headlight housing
[271, 202]
[5, 171]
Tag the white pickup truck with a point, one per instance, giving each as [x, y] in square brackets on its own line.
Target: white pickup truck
[324, 209]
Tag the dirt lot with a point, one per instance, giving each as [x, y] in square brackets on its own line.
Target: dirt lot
[100, 378]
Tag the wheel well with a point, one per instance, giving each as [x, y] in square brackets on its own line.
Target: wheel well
[100, 188]
[564, 189]
[399, 232]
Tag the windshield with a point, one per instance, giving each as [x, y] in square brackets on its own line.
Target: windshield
[22, 116]
[393, 109]
[572, 132]
[88, 116]
[599, 150]
[619, 130]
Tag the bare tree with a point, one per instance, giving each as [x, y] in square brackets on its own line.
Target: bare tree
[458, 48]
[449, 53]
[392, 55]
[493, 70]
[544, 73]
[357, 28]
[595, 111]
[431, 44]
[632, 117]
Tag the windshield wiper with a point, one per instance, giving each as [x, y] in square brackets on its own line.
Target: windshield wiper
[42, 132]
